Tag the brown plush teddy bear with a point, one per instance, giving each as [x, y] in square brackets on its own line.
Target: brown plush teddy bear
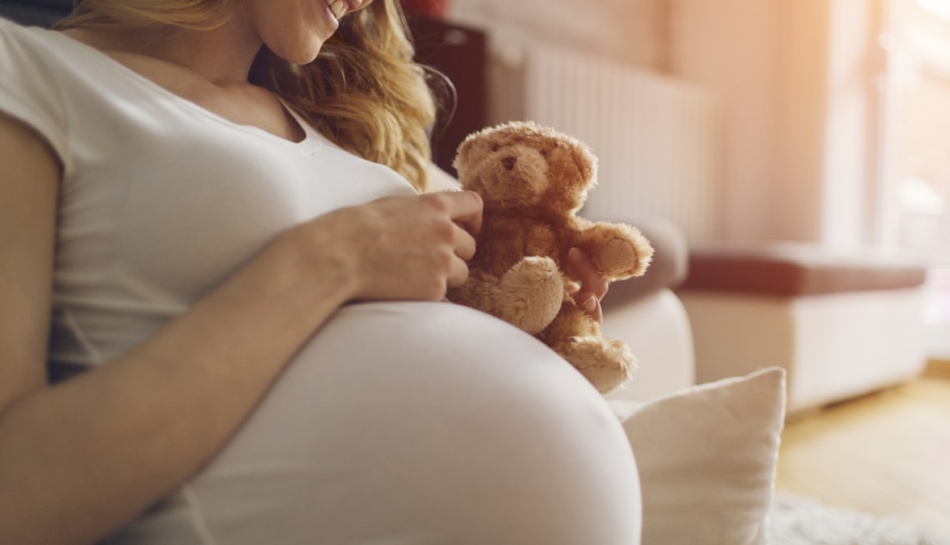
[532, 180]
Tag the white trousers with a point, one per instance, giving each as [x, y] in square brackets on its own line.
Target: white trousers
[414, 423]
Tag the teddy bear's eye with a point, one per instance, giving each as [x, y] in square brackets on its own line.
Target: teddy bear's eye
[495, 147]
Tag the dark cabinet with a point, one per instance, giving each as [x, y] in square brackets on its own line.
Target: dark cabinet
[459, 53]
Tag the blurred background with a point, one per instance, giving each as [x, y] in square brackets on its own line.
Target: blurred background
[744, 121]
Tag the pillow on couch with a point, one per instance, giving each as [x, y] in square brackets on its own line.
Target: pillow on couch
[706, 457]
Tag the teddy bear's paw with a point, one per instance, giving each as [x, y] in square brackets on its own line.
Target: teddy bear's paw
[606, 363]
[619, 257]
[530, 294]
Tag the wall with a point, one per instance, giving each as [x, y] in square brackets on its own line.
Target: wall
[796, 80]
[851, 126]
[729, 47]
[800, 93]
[624, 30]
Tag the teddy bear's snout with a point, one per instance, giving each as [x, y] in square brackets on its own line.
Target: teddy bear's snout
[509, 162]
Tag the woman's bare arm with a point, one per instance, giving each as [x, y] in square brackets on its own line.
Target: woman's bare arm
[79, 459]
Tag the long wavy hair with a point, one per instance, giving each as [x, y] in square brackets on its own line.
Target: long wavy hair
[363, 91]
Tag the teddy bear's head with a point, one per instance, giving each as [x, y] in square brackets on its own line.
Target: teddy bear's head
[523, 164]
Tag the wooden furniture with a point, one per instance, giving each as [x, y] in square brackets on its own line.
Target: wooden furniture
[458, 52]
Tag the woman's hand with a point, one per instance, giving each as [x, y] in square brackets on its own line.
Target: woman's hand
[592, 286]
[409, 248]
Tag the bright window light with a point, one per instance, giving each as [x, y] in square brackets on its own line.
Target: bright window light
[940, 8]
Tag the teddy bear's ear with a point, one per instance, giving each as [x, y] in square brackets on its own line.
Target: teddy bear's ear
[461, 155]
[472, 150]
[586, 162]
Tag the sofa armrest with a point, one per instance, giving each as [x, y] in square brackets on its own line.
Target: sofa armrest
[657, 330]
[667, 270]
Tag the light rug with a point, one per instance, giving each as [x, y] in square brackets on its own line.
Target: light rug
[799, 521]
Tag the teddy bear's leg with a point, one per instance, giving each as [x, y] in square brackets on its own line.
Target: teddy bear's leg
[476, 292]
[606, 363]
[529, 294]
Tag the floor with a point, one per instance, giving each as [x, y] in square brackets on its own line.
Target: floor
[886, 454]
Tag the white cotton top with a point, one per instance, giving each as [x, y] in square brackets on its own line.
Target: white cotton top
[160, 198]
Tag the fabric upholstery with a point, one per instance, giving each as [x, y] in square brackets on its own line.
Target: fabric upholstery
[35, 12]
[789, 270]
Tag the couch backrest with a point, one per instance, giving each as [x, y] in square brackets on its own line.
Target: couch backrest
[35, 12]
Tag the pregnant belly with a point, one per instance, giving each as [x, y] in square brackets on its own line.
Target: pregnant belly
[387, 411]
[377, 366]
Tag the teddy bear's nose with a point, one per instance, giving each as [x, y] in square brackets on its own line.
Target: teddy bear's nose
[508, 162]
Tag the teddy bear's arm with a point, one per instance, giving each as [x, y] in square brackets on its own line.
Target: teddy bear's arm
[617, 250]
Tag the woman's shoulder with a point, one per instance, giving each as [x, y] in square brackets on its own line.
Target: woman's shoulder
[28, 53]
[28, 56]
[11, 28]
[29, 85]
[17, 40]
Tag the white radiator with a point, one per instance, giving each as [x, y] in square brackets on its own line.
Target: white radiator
[657, 139]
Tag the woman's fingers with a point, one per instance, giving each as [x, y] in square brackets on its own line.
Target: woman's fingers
[464, 244]
[463, 207]
[590, 304]
[406, 247]
[581, 267]
[593, 287]
[458, 273]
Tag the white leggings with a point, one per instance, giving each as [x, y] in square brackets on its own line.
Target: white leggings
[414, 423]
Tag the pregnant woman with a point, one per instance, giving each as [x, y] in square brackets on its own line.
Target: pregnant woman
[220, 299]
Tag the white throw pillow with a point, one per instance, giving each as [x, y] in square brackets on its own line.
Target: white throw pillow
[706, 457]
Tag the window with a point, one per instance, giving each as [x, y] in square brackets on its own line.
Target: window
[918, 185]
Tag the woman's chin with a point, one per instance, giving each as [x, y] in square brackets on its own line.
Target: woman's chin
[301, 53]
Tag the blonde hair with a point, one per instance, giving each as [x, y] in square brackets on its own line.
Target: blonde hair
[363, 91]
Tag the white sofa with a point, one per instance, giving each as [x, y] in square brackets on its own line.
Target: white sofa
[840, 323]
[656, 327]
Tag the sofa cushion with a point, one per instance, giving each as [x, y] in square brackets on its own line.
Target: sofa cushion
[667, 269]
[706, 457]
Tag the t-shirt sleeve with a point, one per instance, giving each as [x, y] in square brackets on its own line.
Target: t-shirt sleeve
[28, 91]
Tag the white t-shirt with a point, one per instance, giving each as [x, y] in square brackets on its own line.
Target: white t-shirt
[160, 199]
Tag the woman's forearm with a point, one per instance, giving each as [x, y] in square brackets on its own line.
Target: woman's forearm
[79, 459]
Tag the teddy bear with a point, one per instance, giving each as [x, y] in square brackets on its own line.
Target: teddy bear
[532, 180]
